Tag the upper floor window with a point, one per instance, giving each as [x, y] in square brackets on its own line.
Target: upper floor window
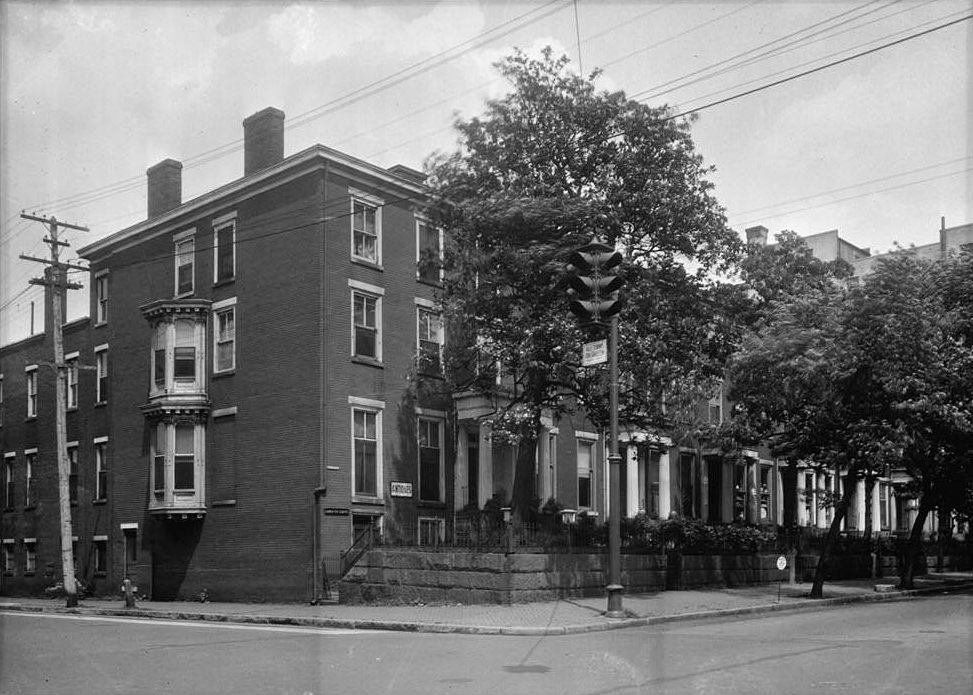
[8, 555]
[101, 468]
[73, 471]
[430, 338]
[366, 228]
[101, 374]
[30, 559]
[101, 297]
[224, 336]
[224, 249]
[71, 362]
[178, 471]
[586, 455]
[185, 265]
[8, 481]
[366, 311]
[31, 373]
[429, 252]
[30, 494]
[431, 460]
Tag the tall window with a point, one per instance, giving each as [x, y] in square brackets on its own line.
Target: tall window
[30, 495]
[184, 459]
[366, 451]
[224, 240]
[159, 459]
[586, 450]
[365, 231]
[101, 374]
[430, 460]
[32, 391]
[366, 310]
[430, 340]
[8, 482]
[429, 252]
[159, 355]
[185, 261]
[101, 468]
[101, 298]
[30, 548]
[101, 554]
[184, 352]
[224, 336]
[73, 472]
[8, 556]
[72, 394]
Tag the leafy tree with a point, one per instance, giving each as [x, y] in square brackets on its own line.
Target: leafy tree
[544, 169]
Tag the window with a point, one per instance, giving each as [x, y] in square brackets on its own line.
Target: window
[101, 374]
[101, 468]
[8, 481]
[159, 459]
[101, 298]
[366, 416]
[430, 340]
[184, 352]
[8, 556]
[73, 471]
[30, 494]
[429, 253]
[101, 554]
[184, 459]
[185, 260]
[586, 451]
[224, 336]
[178, 355]
[31, 390]
[30, 561]
[366, 309]
[224, 251]
[365, 229]
[430, 460]
[159, 355]
[72, 377]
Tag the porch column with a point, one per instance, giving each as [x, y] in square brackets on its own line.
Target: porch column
[893, 514]
[632, 476]
[779, 497]
[486, 464]
[860, 504]
[461, 469]
[877, 506]
[753, 490]
[665, 502]
[544, 491]
[801, 498]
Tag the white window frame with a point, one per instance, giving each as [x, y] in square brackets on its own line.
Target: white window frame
[71, 393]
[31, 377]
[427, 307]
[165, 495]
[30, 462]
[100, 546]
[220, 224]
[439, 417]
[420, 223]
[9, 557]
[371, 201]
[101, 466]
[101, 297]
[227, 306]
[185, 238]
[589, 439]
[9, 480]
[376, 409]
[30, 556]
[101, 373]
[376, 293]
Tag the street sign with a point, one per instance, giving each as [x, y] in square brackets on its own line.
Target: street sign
[782, 563]
[594, 353]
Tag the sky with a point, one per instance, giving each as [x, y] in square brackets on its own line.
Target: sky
[878, 145]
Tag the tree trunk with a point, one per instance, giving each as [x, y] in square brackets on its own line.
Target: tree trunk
[817, 588]
[523, 496]
[907, 572]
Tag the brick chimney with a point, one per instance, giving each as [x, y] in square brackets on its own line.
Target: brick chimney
[165, 187]
[263, 140]
[757, 235]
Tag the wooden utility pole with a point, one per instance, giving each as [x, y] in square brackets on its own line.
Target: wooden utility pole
[55, 277]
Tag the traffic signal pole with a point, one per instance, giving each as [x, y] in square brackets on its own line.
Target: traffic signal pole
[614, 483]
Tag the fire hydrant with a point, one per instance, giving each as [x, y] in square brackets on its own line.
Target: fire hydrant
[129, 592]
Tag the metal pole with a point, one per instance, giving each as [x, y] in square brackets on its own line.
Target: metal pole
[615, 485]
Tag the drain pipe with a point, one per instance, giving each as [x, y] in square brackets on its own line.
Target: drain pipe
[316, 496]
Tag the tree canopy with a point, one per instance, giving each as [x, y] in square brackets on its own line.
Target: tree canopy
[545, 168]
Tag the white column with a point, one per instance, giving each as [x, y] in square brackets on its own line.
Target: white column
[632, 478]
[893, 520]
[860, 504]
[820, 514]
[461, 468]
[486, 464]
[544, 491]
[779, 497]
[801, 498]
[665, 506]
[876, 507]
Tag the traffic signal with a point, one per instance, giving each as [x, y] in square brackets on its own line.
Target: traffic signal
[592, 284]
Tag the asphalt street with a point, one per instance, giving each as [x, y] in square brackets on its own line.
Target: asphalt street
[918, 646]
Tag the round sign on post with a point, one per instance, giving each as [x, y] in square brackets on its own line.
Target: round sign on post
[782, 563]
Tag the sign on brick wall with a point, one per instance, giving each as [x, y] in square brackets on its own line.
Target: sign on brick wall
[401, 489]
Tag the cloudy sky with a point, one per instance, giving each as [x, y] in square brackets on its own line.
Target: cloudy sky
[878, 146]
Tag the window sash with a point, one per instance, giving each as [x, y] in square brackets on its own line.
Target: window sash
[365, 432]
[585, 455]
[184, 363]
[430, 341]
[32, 394]
[429, 253]
[101, 290]
[430, 460]
[29, 481]
[72, 391]
[73, 474]
[365, 231]
[366, 325]
[8, 473]
[225, 339]
[30, 565]
[225, 253]
[185, 252]
[101, 473]
[101, 366]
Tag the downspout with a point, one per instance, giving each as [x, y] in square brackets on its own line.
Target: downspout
[322, 487]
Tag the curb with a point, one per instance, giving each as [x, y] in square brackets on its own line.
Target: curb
[803, 605]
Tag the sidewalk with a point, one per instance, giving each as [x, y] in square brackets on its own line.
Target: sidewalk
[565, 616]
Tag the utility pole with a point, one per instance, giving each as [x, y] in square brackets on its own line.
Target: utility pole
[55, 277]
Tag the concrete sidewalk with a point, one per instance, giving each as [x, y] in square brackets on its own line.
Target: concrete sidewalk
[565, 616]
